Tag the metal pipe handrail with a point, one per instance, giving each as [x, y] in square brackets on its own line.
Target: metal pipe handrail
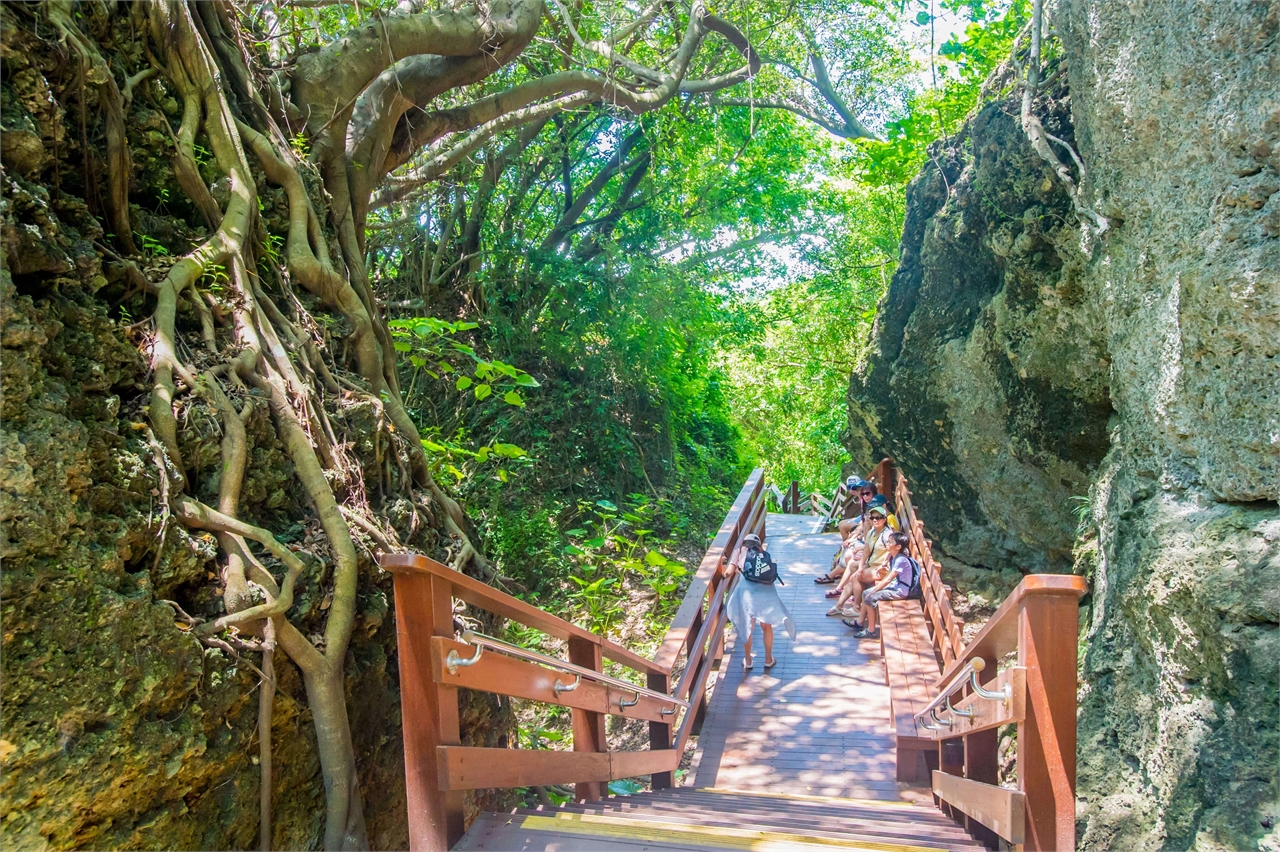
[969, 673]
[480, 640]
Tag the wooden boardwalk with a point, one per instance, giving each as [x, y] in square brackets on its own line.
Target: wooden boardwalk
[818, 722]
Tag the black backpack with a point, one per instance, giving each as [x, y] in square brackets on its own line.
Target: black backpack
[914, 593]
[758, 567]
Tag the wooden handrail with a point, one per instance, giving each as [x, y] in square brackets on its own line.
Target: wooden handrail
[438, 767]
[1038, 621]
[722, 547]
[489, 599]
[999, 636]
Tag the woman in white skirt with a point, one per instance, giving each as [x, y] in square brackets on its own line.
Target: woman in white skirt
[752, 602]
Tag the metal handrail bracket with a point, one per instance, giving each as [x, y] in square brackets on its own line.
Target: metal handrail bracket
[455, 660]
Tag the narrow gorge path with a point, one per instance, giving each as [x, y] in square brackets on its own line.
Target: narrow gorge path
[818, 722]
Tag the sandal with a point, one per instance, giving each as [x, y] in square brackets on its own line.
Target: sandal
[834, 593]
[849, 622]
[867, 634]
[747, 663]
[835, 610]
[768, 664]
[825, 579]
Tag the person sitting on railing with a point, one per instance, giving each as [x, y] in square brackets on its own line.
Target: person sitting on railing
[895, 586]
[854, 545]
[859, 494]
[753, 601]
[871, 565]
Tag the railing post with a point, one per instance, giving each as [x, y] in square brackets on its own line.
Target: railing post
[660, 734]
[429, 717]
[1047, 626]
[982, 760]
[588, 725]
[793, 498]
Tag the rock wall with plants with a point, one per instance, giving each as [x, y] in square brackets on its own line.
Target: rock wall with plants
[1105, 400]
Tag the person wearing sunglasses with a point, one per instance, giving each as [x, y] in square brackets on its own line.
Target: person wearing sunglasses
[871, 568]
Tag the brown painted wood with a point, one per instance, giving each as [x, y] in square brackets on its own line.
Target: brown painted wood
[1047, 625]
[999, 636]
[673, 644]
[951, 762]
[910, 667]
[999, 809]
[467, 768]
[424, 610]
[504, 675]
[982, 748]
[698, 647]
[660, 735]
[715, 629]
[793, 498]
[486, 597]
[588, 725]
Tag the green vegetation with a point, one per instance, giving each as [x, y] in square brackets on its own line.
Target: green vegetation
[635, 311]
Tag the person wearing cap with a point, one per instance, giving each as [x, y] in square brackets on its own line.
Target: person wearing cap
[871, 566]
[859, 493]
[854, 533]
[752, 603]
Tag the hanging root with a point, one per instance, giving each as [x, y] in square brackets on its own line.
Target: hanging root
[266, 706]
[1036, 133]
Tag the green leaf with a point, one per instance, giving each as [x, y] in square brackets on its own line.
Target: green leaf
[502, 474]
[463, 383]
[605, 504]
[575, 551]
[625, 787]
[575, 531]
[525, 380]
[513, 398]
[655, 558]
[483, 391]
[509, 451]
[593, 542]
[433, 447]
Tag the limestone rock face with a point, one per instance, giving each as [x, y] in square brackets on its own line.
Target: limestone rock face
[1020, 361]
[1178, 117]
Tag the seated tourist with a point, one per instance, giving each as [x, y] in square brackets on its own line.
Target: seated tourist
[870, 566]
[860, 494]
[894, 586]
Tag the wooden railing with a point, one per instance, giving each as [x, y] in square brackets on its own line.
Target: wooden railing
[1038, 694]
[946, 628]
[438, 768]
[973, 698]
[884, 476]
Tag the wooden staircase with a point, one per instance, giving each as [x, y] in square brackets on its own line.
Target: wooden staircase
[813, 724]
[694, 819]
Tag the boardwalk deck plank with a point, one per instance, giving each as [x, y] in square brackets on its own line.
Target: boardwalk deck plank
[818, 722]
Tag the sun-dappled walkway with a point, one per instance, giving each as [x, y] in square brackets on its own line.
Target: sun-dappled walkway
[818, 722]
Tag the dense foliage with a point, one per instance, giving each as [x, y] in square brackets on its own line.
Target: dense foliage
[681, 294]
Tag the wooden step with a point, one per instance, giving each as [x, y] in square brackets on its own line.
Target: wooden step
[892, 813]
[886, 811]
[568, 832]
[834, 827]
